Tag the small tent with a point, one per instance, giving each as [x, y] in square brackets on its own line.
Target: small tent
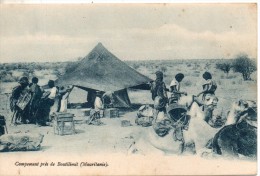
[102, 71]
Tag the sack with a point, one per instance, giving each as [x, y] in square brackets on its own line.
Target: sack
[145, 111]
[20, 142]
[144, 121]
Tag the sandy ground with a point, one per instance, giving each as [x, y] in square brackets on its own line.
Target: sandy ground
[108, 144]
[107, 138]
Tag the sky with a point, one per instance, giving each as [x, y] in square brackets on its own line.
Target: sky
[44, 33]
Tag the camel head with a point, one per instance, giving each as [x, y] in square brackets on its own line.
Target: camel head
[242, 109]
[211, 100]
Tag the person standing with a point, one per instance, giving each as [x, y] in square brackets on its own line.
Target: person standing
[63, 98]
[17, 92]
[53, 98]
[46, 103]
[159, 95]
[36, 92]
[175, 88]
[98, 104]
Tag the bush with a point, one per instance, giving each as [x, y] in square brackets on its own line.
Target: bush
[225, 66]
[244, 65]
[188, 65]
[8, 78]
[207, 66]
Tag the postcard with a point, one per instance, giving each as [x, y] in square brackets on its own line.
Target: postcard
[128, 89]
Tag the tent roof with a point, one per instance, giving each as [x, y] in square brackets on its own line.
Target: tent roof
[101, 70]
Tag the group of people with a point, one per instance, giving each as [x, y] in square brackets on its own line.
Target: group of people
[159, 91]
[32, 104]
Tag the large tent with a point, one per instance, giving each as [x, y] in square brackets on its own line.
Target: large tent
[102, 71]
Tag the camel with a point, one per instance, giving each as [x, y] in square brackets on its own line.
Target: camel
[149, 142]
[239, 136]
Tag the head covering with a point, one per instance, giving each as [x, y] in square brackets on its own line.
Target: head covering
[24, 80]
[159, 74]
[207, 76]
[51, 83]
[179, 77]
[35, 80]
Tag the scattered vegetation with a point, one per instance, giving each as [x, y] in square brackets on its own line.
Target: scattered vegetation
[224, 66]
[244, 65]
[136, 66]
[163, 69]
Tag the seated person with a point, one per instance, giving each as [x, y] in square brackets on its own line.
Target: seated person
[175, 88]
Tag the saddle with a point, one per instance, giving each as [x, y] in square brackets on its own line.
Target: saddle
[178, 114]
[163, 127]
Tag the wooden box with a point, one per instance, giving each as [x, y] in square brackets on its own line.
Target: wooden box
[111, 113]
[64, 123]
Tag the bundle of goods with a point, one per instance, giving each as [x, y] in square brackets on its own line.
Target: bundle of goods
[20, 142]
[144, 116]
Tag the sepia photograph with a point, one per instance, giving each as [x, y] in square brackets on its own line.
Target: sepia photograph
[128, 89]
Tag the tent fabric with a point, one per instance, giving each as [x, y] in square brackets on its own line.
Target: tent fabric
[103, 71]
[121, 99]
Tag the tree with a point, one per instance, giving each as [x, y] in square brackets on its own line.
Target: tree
[244, 65]
[224, 66]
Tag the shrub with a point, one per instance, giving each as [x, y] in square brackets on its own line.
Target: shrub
[225, 66]
[188, 65]
[8, 78]
[244, 65]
